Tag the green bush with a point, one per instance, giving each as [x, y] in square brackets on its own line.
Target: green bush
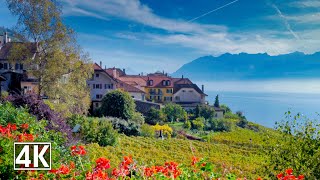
[155, 116]
[138, 118]
[230, 115]
[147, 131]
[243, 123]
[219, 125]
[98, 130]
[198, 123]
[187, 125]
[204, 111]
[118, 104]
[298, 148]
[127, 127]
[17, 117]
[174, 113]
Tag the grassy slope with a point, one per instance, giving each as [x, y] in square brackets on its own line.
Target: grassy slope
[232, 149]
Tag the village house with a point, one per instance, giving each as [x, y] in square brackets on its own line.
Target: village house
[104, 81]
[14, 74]
[161, 88]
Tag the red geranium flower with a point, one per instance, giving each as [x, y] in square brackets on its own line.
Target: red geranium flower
[289, 171]
[103, 163]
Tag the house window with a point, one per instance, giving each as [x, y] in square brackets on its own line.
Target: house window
[97, 105]
[169, 90]
[177, 98]
[5, 65]
[98, 96]
[191, 91]
[150, 82]
[183, 91]
[93, 86]
[16, 66]
[163, 82]
[21, 66]
[1, 66]
[97, 75]
[132, 96]
[168, 83]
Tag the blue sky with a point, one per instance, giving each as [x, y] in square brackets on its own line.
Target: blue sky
[150, 35]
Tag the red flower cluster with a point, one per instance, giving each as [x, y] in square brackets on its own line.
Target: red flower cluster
[102, 163]
[10, 128]
[78, 151]
[194, 160]
[289, 175]
[62, 170]
[25, 137]
[6, 131]
[98, 173]
[170, 169]
[124, 168]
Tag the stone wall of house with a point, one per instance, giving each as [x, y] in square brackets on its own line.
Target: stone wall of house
[144, 106]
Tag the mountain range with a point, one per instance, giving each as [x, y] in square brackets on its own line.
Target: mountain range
[245, 66]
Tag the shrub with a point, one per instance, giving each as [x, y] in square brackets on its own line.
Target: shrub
[298, 148]
[147, 131]
[16, 124]
[118, 104]
[230, 115]
[42, 111]
[219, 125]
[243, 123]
[98, 130]
[187, 125]
[138, 118]
[155, 116]
[204, 111]
[126, 127]
[174, 112]
[198, 123]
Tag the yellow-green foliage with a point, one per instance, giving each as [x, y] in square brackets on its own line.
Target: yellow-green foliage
[238, 159]
[166, 130]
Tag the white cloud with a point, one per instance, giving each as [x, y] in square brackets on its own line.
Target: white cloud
[135, 11]
[307, 3]
[204, 38]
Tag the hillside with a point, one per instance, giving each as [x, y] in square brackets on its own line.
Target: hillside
[233, 150]
[252, 66]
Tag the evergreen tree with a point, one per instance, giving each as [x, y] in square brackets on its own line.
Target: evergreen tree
[216, 102]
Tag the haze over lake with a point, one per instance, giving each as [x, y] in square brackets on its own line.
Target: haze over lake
[265, 102]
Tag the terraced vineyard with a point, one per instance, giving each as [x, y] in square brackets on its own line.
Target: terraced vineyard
[244, 158]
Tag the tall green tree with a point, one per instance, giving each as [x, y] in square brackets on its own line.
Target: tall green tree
[174, 112]
[216, 102]
[118, 104]
[58, 62]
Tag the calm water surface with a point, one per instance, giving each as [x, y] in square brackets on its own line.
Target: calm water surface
[267, 108]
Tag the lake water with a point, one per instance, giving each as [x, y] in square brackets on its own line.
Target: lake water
[267, 108]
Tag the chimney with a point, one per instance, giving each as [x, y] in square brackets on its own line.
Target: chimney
[202, 88]
[114, 73]
[5, 37]
[101, 64]
[124, 71]
[182, 77]
[162, 71]
[105, 67]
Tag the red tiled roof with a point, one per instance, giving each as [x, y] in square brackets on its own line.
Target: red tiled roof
[96, 67]
[158, 81]
[128, 88]
[119, 72]
[181, 81]
[134, 80]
